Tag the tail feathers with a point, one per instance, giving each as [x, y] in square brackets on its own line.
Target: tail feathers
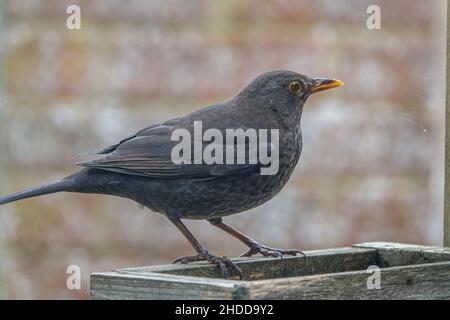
[62, 185]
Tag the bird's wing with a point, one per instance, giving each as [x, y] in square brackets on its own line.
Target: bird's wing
[147, 129]
[148, 154]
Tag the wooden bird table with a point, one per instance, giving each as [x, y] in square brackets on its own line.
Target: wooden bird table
[397, 271]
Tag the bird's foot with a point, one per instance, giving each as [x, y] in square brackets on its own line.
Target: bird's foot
[221, 262]
[266, 251]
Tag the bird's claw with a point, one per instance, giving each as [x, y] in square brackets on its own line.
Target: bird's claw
[266, 251]
[221, 262]
[187, 259]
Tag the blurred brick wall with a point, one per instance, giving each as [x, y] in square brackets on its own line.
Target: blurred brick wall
[372, 162]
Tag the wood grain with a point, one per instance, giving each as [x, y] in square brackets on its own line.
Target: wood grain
[406, 272]
[447, 142]
[425, 281]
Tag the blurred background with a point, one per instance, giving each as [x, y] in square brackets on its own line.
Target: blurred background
[372, 162]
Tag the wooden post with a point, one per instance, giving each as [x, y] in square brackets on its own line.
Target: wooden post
[447, 142]
[3, 35]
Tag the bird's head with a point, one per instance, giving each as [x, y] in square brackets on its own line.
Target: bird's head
[284, 92]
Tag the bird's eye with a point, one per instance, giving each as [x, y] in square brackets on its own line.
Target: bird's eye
[295, 87]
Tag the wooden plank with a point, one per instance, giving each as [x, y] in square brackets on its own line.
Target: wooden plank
[399, 254]
[425, 281]
[203, 280]
[447, 142]
[3, 168]
[407, 272]
[317, 261]
[123, 285]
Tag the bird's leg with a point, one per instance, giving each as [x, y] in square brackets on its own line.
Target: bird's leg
[202, 254]
[254, 246]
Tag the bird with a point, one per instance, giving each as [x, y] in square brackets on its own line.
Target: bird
[140, 167]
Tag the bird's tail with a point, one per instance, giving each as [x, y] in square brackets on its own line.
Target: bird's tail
[62, 185]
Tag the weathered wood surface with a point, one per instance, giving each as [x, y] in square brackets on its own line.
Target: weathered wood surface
[398, 254]
[424, 281]
[319, 261]
[3, 132]
[203, 280]
[447, 142]
[407, 272]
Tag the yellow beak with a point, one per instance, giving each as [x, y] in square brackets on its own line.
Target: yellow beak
[325, 84]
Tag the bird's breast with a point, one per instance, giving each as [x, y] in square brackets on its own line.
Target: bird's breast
[225, 195]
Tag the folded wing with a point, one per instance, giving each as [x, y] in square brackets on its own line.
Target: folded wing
[148, 154]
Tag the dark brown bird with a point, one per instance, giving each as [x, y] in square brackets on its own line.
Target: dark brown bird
[141, 167]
